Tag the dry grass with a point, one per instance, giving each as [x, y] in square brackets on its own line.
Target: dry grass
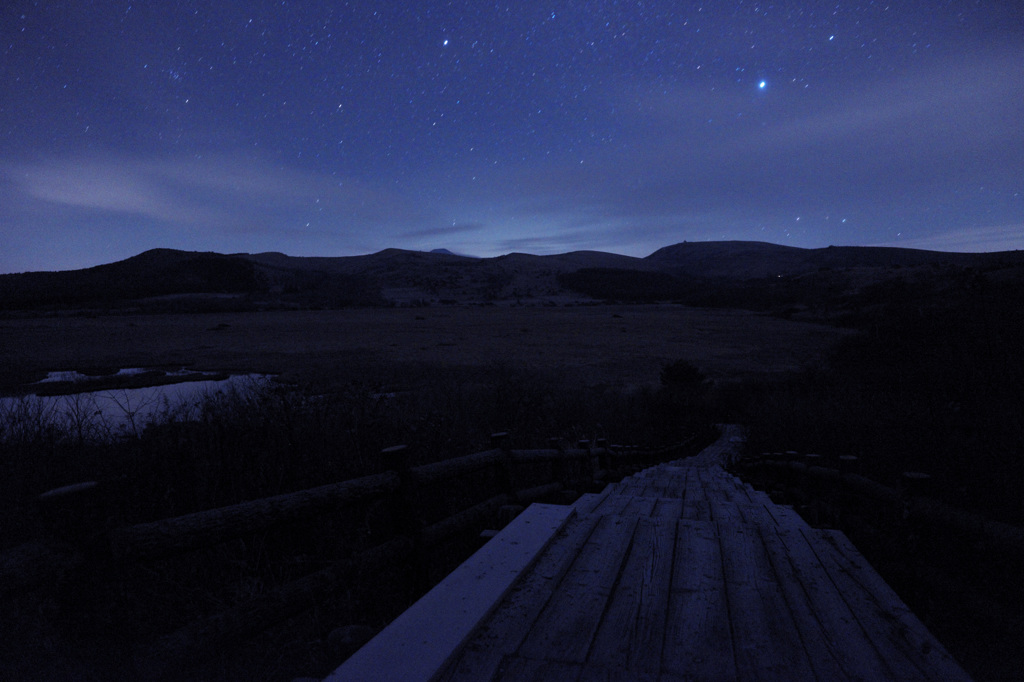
[611, 345]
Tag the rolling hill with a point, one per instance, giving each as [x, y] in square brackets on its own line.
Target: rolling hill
[754, 275]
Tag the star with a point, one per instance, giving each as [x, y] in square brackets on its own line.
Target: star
[762, 85]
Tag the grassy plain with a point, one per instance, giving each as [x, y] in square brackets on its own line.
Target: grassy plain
[609, 345]
[917, 389]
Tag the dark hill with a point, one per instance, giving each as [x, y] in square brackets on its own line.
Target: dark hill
[160, 272]
[815, 283]
[164, 280]
[753, 260]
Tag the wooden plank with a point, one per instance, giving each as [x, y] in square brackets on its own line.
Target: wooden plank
[631, 486]
[585, 503]
[566, 626]
[503, 633]
[652, 488]
[632, 630]
[674, 492]
[723, 512]
[695, 502]
[882, 612]
[518, 669]
[840, 633]
[759, 497]
[595, 673]
[613, 504]
[718, 481]
[698, 639]
[669, 484]
[786, 518]
[418, 644]
[765, 639]
[670, 508]
[665, 470]
[722, 509]
[639, 506]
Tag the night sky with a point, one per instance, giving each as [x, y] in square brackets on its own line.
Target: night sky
[342, 128]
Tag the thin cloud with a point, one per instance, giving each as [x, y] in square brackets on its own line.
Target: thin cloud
[954, 107]
[225, 196]
[972, 239]
[445, 230]
[704, 160]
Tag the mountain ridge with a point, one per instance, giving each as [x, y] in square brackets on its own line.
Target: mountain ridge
[732, 273]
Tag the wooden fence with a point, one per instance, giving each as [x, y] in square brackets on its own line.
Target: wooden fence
[420, 509]
[838, 495]
[960, 564]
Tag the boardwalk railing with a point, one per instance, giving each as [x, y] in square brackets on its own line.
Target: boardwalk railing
[838, 496]
[411, 510]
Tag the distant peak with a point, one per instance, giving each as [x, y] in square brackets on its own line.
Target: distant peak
[446, 252]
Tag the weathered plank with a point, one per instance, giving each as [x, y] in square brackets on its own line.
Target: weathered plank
[597, 673]
[810, 590]
[695, 502]
[896, 631]
[566, 627]
[418, 644]
[670, 508]
[633, 627]
[613, 504]
[639, 506]
[698, 639]
[508, 626]
[816, 642]
[518, 669]
[588, 501]
[631, 485]
[785, 517]
[683, 572]
[766, 641]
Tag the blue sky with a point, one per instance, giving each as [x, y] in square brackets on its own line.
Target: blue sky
[333, 128]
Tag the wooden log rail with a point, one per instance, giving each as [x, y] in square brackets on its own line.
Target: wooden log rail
[202, 529]
[911, 504]
[79, 541]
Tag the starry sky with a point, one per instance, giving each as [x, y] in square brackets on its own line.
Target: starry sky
[341, 128]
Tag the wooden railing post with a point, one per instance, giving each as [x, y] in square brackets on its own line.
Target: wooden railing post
[396, 458]
[408, 520]
[76, 514]
[603, 460]
[499, 440]
[913, 486]
[559, 467]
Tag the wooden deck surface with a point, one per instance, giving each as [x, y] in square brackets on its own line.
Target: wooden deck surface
[682, 572]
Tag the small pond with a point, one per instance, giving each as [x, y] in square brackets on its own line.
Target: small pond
[120, 403]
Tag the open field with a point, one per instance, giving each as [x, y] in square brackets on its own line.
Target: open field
[612, 345]
[917, 389]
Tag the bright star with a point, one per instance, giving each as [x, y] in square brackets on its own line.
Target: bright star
[762, 85]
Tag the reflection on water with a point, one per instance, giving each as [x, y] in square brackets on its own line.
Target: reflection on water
[120, 411]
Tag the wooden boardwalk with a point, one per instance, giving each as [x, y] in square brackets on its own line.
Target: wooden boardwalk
[680, 572]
